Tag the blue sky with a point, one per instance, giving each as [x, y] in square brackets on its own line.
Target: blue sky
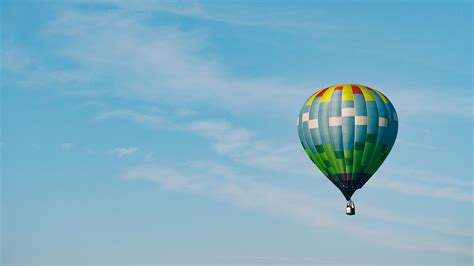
[164, 132]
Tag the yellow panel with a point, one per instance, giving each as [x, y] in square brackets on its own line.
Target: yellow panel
[327, 95]
[347, 94]
[367, 95]
[384, 99]
[311, 99]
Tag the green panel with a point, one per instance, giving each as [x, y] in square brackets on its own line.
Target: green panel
[316, 160]
[371, 138]
[373, 167]
[319, 163]
[319, 148]
[348, 154]
[349, 168]
[324, 156]
[368, 151]
[375, 161]
[349, 162]
[327, 163]
[332, 158]
[310, 155]
[380, 153]
[357, 158]
[339, 154]
[341, 166]
[331, 171]
[359, 146]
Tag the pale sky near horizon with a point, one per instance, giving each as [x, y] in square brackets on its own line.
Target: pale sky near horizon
[163, 132]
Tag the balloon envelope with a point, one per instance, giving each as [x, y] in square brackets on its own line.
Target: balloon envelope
[347, 131]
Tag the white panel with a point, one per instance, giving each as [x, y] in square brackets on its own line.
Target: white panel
[335, 121]
[313, 123]
[395, 117]
[382, 122]
[298, 121]
[305, 117]
[347, 111]
[361, 120]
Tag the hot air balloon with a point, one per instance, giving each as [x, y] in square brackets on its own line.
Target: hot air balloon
[347, 131]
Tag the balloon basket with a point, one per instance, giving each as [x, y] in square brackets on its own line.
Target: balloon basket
[350, 208]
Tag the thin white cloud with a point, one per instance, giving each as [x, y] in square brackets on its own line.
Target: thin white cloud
[442, 225]
[428, 103]
[237, 143]
[225, 183]
[428, 177]
[149, 156]
[227, 138]
[124, 151]
[13, 59]
[151, 120]
[66, 146]
[424, 190]
[422, 183]
[156, 64]
[417, 144]
[268, 16]
[159, 64]
[186, 112]
[244, 147]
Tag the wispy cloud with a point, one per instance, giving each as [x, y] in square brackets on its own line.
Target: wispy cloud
[240, 144]
[139, 60]
[426, 176]
[246, 148]
[124, 151]
[428, 103]
[67, 146]
[225, 183]
[186, 112]
[266, 16]
[149, 156]
[422, 183]
[417, 144]
[423, 190]
[158, 64]
[441, 225]
[151, 120]
[13, 59]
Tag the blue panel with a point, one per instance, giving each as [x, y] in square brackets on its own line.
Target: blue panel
[359, 105]
[335, 111]
[382, 112]
[360, 131]
[308, 142]
[323, 119]
[347, 104]
[372, 117]
[389, 137]
[315, 136]
[380, 105]
[348, 129]
[335, 103]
